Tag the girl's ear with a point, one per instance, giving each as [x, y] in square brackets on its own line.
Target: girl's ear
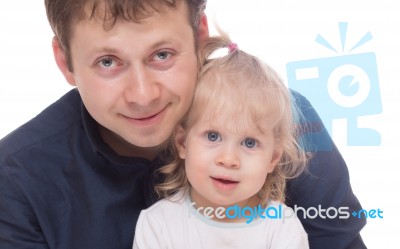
[276, 158]
[180, 141]
[61, 60]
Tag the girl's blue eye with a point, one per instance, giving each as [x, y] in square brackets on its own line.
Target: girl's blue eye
[249, 143]
[213, 136]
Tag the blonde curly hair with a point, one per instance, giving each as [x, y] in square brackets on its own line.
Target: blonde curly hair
[241, 83]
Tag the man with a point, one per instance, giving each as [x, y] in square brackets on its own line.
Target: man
[78, 174]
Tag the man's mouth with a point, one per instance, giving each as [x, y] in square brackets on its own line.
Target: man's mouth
[147, 117]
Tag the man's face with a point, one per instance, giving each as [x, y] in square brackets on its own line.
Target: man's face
[137, 79]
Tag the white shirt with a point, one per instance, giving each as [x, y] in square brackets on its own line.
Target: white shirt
[178, 225]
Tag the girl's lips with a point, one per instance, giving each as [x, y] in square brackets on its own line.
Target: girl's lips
[224, 183]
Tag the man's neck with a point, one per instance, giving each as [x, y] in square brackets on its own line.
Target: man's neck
[123, 148]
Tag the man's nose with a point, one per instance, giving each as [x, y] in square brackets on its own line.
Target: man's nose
[142, 87]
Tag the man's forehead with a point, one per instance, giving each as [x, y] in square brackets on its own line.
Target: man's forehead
[109, 12]
[168, 19]
[132, 40]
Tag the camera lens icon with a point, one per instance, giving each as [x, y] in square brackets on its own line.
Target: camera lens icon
[341, 87]
[348, 85]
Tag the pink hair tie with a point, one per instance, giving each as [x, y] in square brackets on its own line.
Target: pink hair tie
[232, 47]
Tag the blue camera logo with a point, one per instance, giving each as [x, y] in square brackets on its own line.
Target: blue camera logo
[344, 86]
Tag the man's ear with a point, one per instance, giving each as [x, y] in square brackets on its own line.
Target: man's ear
[61, 60]
[203, 32]
[179, 138]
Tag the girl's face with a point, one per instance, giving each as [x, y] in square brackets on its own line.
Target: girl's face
[227, 164]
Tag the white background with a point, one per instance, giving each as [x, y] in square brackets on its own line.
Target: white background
[278, 32]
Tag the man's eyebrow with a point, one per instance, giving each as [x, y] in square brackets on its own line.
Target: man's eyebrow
[95, 52]
[102, 50]
[163, 42]
[111, 50]
[105, 49]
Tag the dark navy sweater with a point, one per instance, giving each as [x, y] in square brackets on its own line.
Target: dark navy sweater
[62, 187]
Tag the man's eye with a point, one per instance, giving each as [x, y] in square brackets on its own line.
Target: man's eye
[107, 62]
[249, 143]
[163, 55]
[213, 136]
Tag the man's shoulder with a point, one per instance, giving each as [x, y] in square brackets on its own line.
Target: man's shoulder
[51, 122]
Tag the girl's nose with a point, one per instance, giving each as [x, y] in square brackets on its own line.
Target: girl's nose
[228, 157]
